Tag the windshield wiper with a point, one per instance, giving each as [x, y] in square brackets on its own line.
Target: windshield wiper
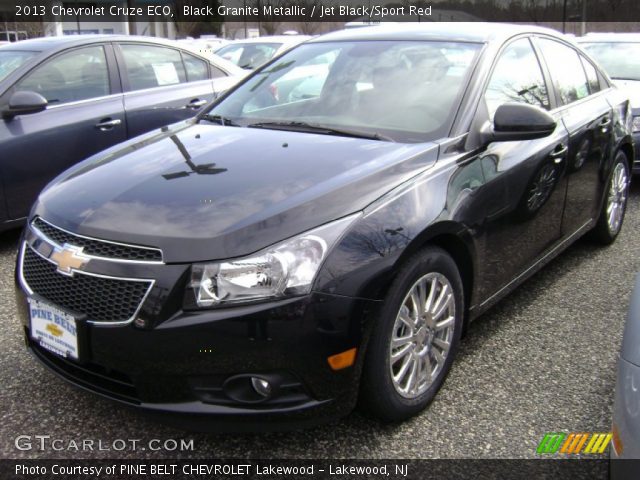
[322, 129]
[224, 121]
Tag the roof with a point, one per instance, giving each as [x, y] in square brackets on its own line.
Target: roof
[51, 43]
[479, 32]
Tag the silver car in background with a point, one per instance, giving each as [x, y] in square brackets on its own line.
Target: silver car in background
[626, 411]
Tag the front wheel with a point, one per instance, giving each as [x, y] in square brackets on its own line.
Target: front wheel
[615, 202]
[415, 338]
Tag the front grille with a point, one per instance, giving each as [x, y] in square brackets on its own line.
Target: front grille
[98, 248]
[101, 299]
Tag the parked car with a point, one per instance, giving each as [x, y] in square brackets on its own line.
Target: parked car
[273, 260]
[619, 55]
[626, 410]
[255, 52]
[204, 46]
[63, 99]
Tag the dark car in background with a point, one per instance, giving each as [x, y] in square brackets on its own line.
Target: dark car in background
[619, 55]
[277, 259]
[63, 99]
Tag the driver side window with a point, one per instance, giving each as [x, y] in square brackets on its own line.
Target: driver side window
[517, 77]
[80, 74]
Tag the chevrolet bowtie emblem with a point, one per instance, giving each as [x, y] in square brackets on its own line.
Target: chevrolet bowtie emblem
[69, 258]
[54, 330]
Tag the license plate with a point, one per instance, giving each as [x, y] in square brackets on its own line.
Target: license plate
[53, 329]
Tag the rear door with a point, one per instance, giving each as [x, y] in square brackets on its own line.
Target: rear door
[163, 85]
[588, 117]
[85, 115]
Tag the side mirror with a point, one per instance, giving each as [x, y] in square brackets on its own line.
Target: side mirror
[517, 122]
[24, 103]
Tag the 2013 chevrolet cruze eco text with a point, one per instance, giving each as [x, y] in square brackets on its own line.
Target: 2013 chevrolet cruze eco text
[311, 240]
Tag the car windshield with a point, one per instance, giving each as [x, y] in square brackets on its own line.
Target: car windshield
[12, 59]
[621, 60]
[248, 55]
[405, 91]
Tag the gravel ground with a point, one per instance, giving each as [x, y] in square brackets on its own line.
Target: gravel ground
[542, 360]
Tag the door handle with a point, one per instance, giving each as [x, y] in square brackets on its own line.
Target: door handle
[108, 124]
[196, 104]
[559, 152]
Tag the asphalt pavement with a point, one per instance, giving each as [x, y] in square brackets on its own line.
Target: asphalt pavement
[542, 360]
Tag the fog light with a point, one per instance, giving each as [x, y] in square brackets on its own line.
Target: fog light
[261, 386]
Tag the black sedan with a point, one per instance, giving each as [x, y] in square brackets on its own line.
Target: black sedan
[274, 261]
[63, 99]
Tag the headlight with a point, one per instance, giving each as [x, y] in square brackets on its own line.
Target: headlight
[285, 269]
[636, 124]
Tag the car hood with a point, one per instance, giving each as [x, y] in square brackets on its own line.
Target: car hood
[203, 192]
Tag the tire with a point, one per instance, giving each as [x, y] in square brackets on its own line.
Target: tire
[394, 400]
[615, 202]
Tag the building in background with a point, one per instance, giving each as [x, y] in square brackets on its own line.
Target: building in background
[50, 25]
[71, 26]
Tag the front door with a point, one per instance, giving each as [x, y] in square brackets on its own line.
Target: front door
[82, 118]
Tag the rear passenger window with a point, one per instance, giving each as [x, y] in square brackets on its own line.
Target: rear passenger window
[196, 69]
[217, 72]
[592, 75]
[566, 71]
[149, 66]
[517, 77]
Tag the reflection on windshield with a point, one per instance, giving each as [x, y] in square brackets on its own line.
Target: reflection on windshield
[11, 60]
[621, 60]
[248, 55]
[406, 91]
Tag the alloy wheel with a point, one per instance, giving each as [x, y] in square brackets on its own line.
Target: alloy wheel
[422, 335]
[617, 198]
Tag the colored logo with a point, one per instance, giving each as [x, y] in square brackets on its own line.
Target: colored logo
[574, 443]
[69, 258]
[54, 330]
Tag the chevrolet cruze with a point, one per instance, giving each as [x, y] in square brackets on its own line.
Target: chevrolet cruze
[278, 259]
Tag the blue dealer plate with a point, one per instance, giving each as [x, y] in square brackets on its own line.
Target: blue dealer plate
[53, 329]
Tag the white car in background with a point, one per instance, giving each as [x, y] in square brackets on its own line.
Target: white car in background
[205, 45]
[251, 53]
[619, 55]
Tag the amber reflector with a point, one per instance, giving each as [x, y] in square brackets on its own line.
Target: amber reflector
[342, 360]
[617, 442]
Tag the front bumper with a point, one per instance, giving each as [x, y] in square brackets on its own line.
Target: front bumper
[180, 366]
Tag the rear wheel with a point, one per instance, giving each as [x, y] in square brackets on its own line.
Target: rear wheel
[615, 202]
[416, 337]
